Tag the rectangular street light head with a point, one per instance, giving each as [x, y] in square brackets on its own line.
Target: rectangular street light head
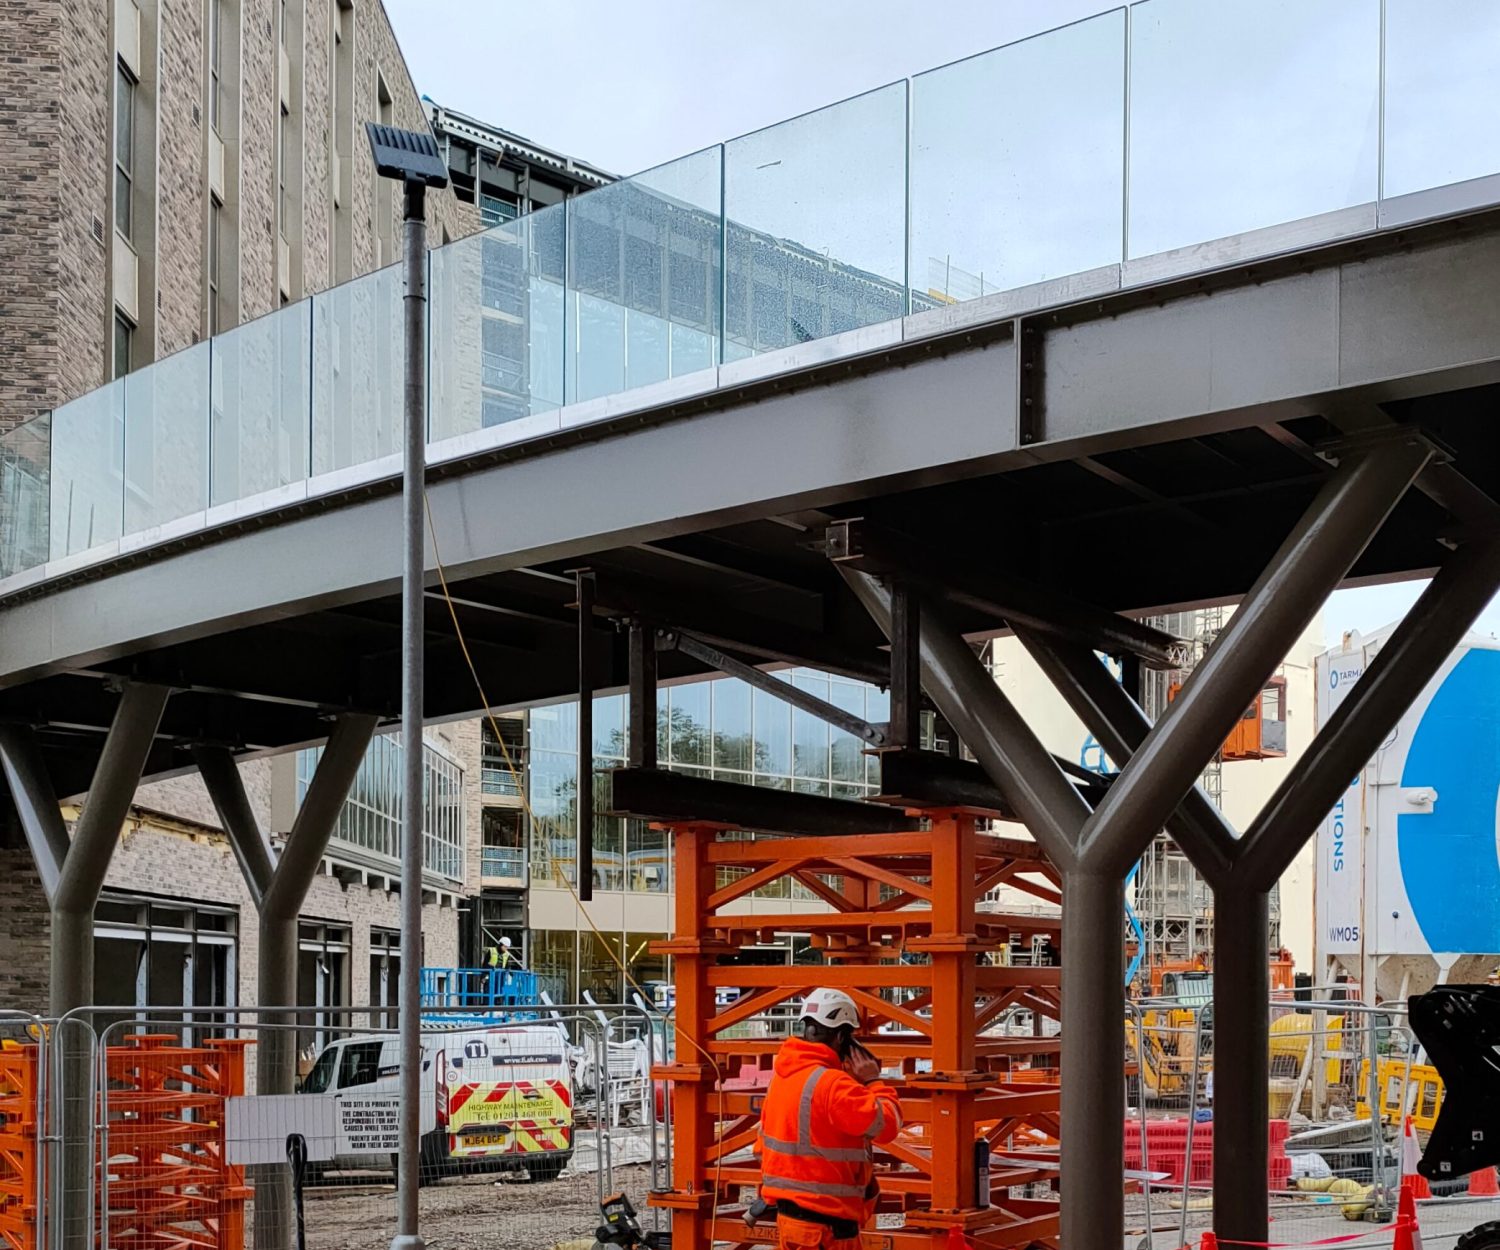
[407, 155]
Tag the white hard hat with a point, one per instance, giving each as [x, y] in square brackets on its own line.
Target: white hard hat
[505, 941]
[831, 1008]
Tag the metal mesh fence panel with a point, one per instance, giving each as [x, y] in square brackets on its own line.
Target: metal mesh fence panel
[529, 1117]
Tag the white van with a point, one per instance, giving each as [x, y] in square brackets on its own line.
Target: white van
[494, 1098]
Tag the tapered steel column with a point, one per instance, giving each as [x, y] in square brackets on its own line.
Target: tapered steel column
[1093, 1069]
[126, 749]
[279, 888]
[1242, 1064]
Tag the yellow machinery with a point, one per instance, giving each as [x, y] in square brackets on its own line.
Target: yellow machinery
[1169, 1036]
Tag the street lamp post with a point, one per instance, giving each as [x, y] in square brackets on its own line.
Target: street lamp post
[411, 157]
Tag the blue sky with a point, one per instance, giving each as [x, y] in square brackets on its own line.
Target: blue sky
[1370, 607]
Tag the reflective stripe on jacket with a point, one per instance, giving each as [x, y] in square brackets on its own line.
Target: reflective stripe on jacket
[818, 1127]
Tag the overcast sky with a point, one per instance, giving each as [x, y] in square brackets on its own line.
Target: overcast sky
[630, 85]
[627, 86]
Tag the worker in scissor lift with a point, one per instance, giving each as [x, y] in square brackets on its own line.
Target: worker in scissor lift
[824, 1111]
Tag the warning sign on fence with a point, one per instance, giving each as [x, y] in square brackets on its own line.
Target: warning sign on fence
[369, 1125]
[358, 1129]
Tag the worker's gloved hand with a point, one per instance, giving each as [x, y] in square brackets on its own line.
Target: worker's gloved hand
[861, 1064]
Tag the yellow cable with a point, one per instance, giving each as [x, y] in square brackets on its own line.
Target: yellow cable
[586, 772]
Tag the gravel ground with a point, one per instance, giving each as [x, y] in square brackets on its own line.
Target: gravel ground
[1442, 1221]
[496, 1212]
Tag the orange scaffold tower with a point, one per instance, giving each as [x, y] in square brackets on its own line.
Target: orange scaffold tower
[19, 1154]
[170, 1184]
[905, 933]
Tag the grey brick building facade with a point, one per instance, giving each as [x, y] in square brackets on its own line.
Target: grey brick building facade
[175, 168]
[243, 182]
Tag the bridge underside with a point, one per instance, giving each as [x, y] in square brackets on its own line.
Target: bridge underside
[1184, 522]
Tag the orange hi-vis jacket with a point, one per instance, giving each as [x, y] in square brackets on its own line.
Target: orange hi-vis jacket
[818, 1127]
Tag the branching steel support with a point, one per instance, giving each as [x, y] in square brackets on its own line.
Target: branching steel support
[1414, 653]
[1312, 561]
[1113, 716]
[1159, 769]
[1243, 871]
[94, 838]
[279, 888]
[72, 876]
[36, 803]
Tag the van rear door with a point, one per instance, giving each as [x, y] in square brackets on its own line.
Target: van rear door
[512, 1095]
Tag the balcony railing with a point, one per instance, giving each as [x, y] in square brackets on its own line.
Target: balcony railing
[500, 781]
[502, 861]
[1177, 136]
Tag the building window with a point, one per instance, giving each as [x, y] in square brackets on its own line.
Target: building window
[385, 976]
[502, 759]
[215, 260]
[216, 64]
[283, 140]
[322, 982]
[124, 344]
[503, 852]
[385, 198]
[370, 821]
[163, 953]
[341, 254]
[125, 89]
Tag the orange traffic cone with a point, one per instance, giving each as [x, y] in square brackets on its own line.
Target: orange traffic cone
[1408, 1232]
[1209, 1242]
[1411, 1155]
[1484, 1184]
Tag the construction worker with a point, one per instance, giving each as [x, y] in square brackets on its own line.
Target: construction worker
[500, 957]
[823, 1113]
[497, 959]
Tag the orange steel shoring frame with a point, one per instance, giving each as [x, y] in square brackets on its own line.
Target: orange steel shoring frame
[18, 1147]
[170, 1185]
[888, 895]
